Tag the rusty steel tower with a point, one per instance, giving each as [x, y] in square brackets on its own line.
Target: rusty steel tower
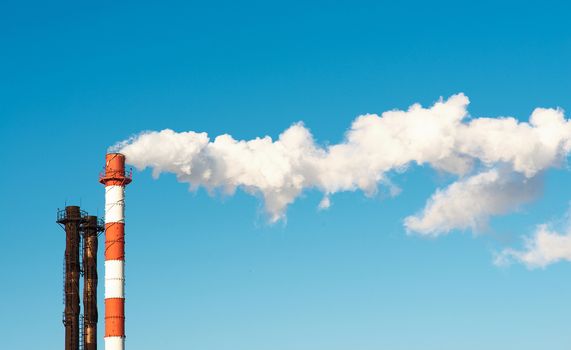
[81, 231]
[71, 219]
[91, 229]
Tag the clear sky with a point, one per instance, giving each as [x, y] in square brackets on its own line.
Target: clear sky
[210, 273]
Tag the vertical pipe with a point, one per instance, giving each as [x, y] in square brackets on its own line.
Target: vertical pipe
[115, 179]
[90, 232]
[71, 219]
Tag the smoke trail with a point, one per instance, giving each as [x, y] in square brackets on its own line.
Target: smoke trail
[469, 202]
[544, 247]
[498, 161]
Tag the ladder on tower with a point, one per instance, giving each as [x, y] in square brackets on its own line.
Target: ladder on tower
[81, 243]
[81, 331]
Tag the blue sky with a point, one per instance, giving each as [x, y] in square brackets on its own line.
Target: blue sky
[210, 273]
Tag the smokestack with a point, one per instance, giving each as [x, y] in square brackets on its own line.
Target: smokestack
[71, 219]
[115, 179]
[91, 231]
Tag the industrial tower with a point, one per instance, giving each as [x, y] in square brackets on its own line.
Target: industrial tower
[115, 179]
[81, 230]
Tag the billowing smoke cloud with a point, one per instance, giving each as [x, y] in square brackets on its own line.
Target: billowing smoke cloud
[468, 203]
[498, 162]
[544, 247]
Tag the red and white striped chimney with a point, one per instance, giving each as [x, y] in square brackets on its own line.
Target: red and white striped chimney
[115, 179]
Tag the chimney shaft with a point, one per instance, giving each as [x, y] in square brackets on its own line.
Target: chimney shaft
[70, 219]
[91, 230]
[115, 179]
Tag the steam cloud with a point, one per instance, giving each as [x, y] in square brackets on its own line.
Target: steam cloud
[470, 202]
[498, 162]
[544, 247]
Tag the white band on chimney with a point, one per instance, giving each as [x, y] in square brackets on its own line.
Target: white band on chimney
[114, 279]
[114, 204]
[114, 343]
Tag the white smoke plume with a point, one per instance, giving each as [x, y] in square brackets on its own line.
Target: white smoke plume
[544, 247]
[498, 161]
[468, 203]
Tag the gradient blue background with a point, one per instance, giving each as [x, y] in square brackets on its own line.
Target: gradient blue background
[210, 273]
